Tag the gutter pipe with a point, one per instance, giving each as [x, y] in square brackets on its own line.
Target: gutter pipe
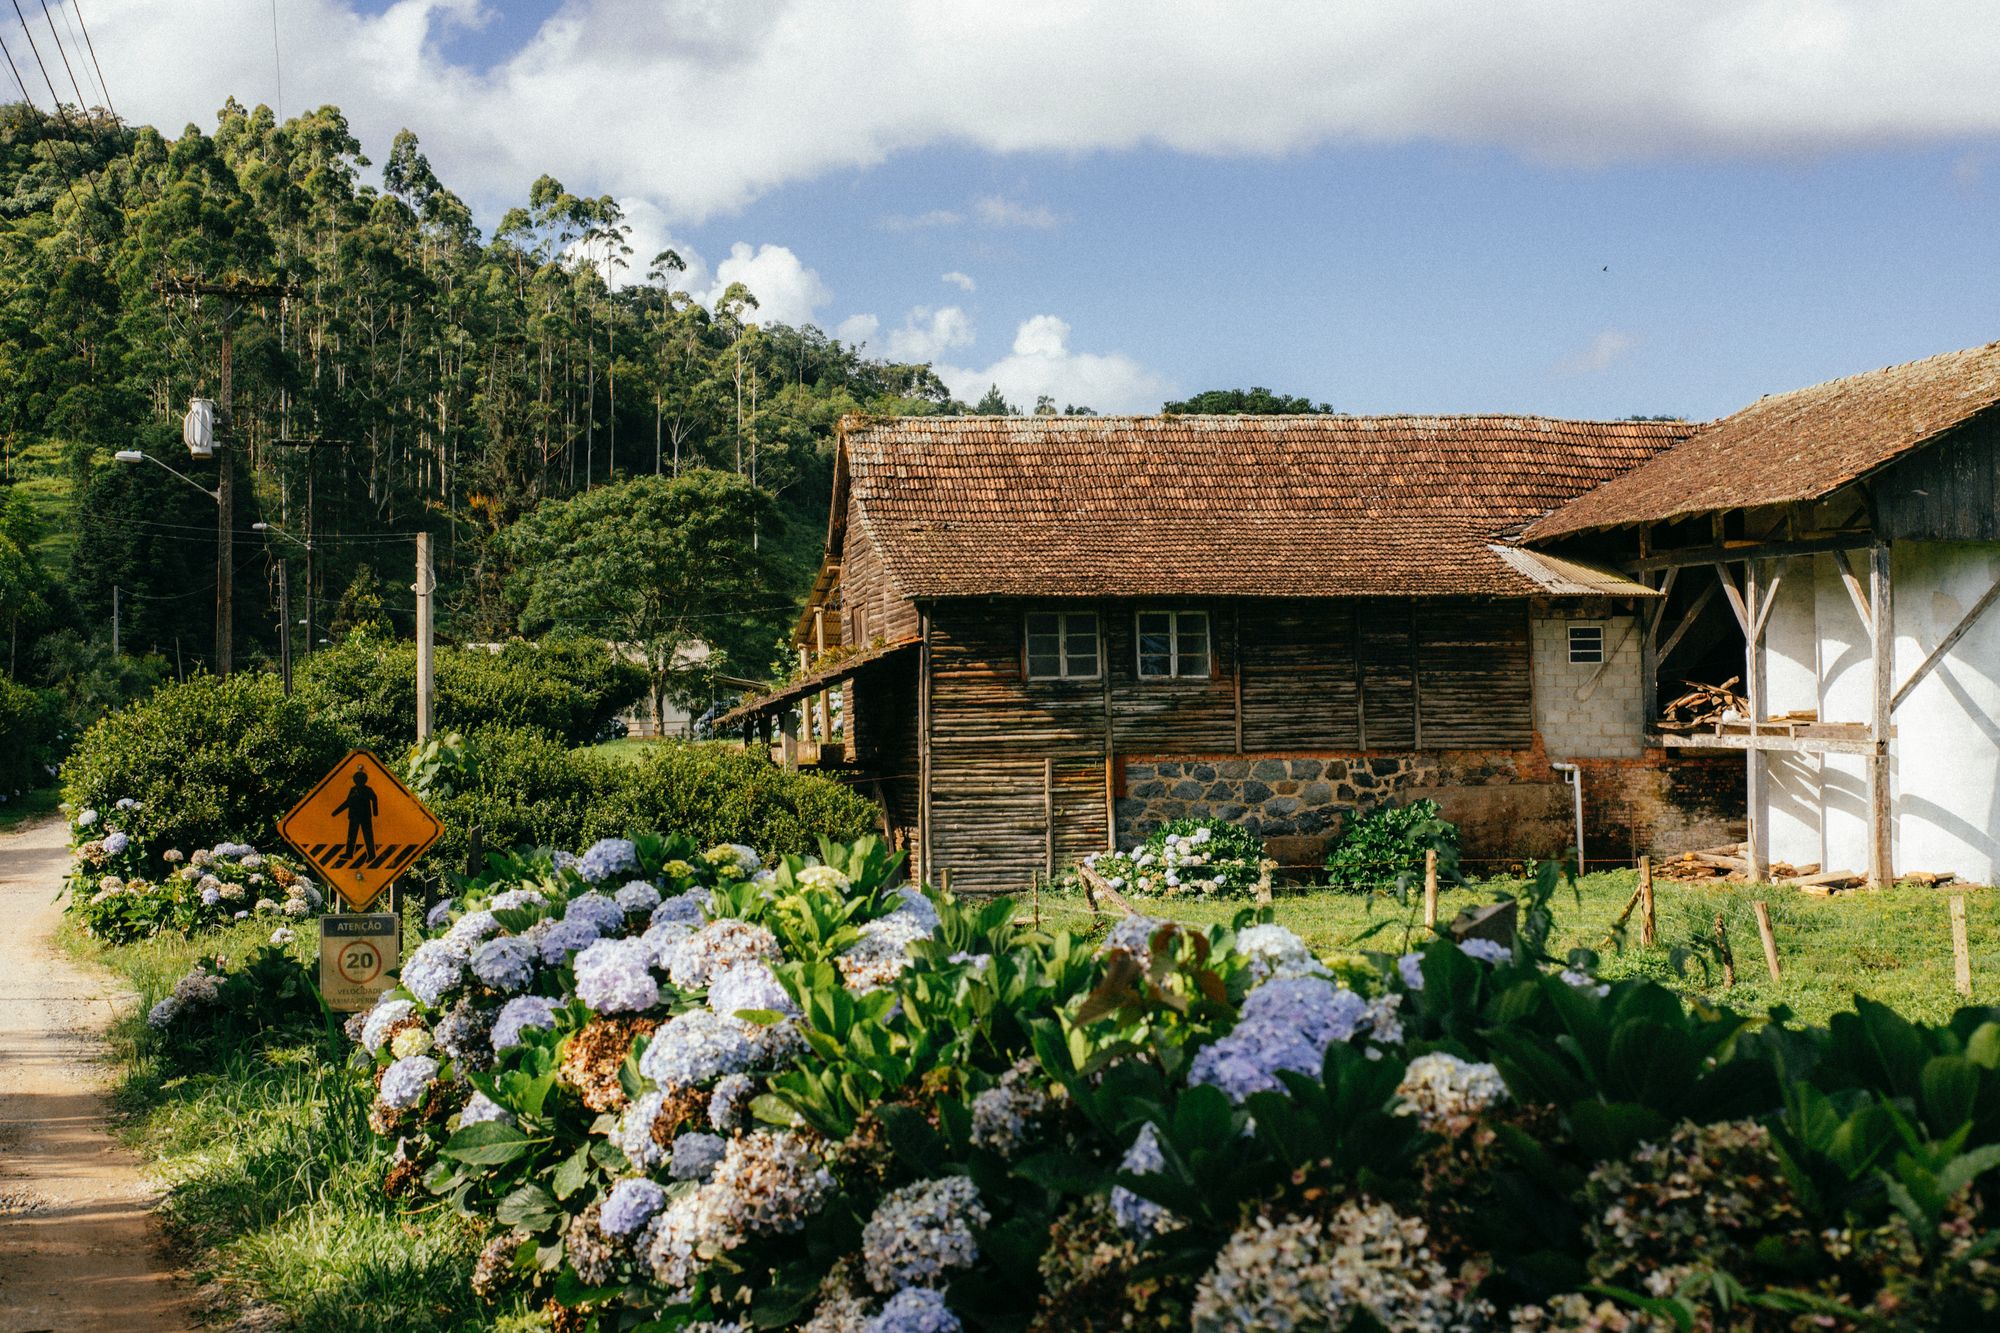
[1574, 777]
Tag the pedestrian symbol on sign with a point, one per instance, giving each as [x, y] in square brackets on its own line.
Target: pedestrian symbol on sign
[360, 828]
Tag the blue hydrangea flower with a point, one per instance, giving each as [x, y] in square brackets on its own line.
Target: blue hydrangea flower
[86, 819]
[474, 926]
[520, 1013]
[388, 1012]
[1286, 1024]
[914, 1310]
[682, 908]
[1141, 1217]
[615, 977]
[638, 896]
[915, 904]
[482, 1110]
[125, 803]
[404, 1083]
[630, 1205]
[599, 909]
[211, 896]
[564, 860]
[660, 941]
[1411, 968]
[1486, 951]
[566, 937]
[439, 914]
[635, 1131]
[696, 1155]
[508, 899]
[748, 986]
[730, 1102]
[433, 970]
[507, 964]
[695, 1047]
[608, 857]
[115, 842]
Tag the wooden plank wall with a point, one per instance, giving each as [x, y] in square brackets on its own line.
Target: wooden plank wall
[1947, 492]
[870, 608]
[1316, 677]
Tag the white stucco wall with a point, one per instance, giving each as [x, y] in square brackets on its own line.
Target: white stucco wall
[1791, 833]
[1583, 713]
[1946, 768]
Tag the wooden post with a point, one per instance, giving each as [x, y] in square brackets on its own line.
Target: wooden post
[805, 705]
[1961, 949]
[1648, 936]
[1110, 741]
[825, 696]
[1049, 817]
[1722, 952]
[1882, 649]
[944, 881]
[924, 854]
[1756, 788]
[1236, 669]
[1763, 912]
[1430, 888]
[426, 638]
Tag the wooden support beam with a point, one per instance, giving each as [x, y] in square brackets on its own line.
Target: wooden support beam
[1767, 597]
[1110, 740]
[1648, 934]
[1694, 611]
[1961, 949]
[1852, 583]
[1945, 645]
[1882, 649]
[926, 859]
[1732, 552]
[1736, 602]
[1236, 669]
[1756, 783]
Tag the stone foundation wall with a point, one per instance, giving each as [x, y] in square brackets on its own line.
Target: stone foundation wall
[1507, 803]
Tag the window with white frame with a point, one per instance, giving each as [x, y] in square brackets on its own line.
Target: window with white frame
[1172, 643]
[1586, 644]
[1062, 645]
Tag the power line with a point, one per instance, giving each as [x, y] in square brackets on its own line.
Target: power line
[277, 62]
[55, 98]
[17, 73]
[96, 80]
[62, 52]
[77, 6]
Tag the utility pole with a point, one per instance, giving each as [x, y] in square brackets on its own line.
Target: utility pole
[426, 633]
[235, 295]
[114, 620]
[285, 624]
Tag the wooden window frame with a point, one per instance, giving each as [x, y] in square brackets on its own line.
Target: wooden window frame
[1174, 671]
[1063, 619]
[1570, 643]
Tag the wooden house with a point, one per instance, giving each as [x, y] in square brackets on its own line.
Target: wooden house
[1037, 637]
[1852, 531]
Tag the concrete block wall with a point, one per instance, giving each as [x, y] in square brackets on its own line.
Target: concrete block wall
[1581, 712]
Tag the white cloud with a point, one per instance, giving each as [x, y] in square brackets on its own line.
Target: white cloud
[787, 291]
[702, 107]
[937, 217]
[995, 211]
[1042, 363]
[928, 334]
[857, 330]
[962, 281]
[1609, 347]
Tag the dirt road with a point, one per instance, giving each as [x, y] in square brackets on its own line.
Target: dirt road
[79, 1248]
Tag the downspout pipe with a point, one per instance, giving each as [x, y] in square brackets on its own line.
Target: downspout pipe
[1574, 777]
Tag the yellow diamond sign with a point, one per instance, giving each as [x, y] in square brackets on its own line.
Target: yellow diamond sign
[360, 828]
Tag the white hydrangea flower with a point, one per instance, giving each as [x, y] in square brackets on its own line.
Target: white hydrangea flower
[1274, 951]
[1448, 1094]
[920, 1233]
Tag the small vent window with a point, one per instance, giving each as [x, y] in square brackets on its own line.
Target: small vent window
[1586, 644]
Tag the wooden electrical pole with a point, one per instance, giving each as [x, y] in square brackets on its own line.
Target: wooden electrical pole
[285, 625]
[426, 633]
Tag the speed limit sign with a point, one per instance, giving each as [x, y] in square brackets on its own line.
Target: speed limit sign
[357, 953]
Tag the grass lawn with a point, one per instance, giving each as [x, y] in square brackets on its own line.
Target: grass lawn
[1892, 945]
[273, 1178]
[28, 805]
[625, 747]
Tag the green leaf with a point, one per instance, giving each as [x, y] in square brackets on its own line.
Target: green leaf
[570, 1177]
[529, 1207]
[1949, 1091]
[488, 1144]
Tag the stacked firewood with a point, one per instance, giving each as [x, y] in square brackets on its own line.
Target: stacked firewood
[1704, 705]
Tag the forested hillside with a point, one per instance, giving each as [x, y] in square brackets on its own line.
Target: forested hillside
[403, 371]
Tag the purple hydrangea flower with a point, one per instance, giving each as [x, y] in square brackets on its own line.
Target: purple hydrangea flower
[482, 1110]
[696, 1155]
[508, 899]
[635, 1131]
[1486, 951]
[638, 896]
[434, 968]
[474, 926]
[1141, 1217]
[660, 941]
[404, 1082]
[682, 909]
[211, 896]
[608, 857]
[566, 937]
[915, 904]
[1411, 968]
[914, 1310]
[564, 860]
[615, 977]
[630, 1205]
[115, 842]
[507, 964]
[599, 909]
[748, 986]
[695, 1047]
[439, 914]
[1286, 1024]
[520, 1013]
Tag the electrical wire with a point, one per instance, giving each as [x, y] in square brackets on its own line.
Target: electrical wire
[18, 83]
[277, 63]
[94, 79]
[54, 97]
[62, 52]
[77, 6]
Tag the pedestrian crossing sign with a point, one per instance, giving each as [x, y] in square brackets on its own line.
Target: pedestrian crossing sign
[360, 828]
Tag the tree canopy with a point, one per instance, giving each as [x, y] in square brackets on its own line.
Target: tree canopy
[1257, 401]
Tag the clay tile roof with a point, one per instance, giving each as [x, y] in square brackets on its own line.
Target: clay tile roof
[1794, 446]
[1304, 506]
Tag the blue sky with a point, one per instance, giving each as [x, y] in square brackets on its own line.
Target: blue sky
[1546, 206]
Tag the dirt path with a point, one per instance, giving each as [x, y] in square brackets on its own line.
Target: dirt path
[79, 1248]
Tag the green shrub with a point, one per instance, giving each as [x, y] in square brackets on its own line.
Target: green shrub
[30, 727]
[207, 759]
[565, 687]
[521, 787]
[1390, 841]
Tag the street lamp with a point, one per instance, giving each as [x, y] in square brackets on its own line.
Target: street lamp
[225, 546]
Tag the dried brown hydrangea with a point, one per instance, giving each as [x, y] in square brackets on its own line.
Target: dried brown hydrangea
[1087, 1280]
[591, 1253]
[401, 1179]
[494, 1271]
[593, 1057]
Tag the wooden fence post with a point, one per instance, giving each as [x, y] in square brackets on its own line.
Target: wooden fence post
[1722, 951]
[1648, 935]
[1763, 912]
[1961, 949]
[944, 881]
[1430, 888]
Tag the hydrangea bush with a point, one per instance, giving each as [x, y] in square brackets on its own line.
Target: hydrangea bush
[1187, 858]
[119, 891]
[742, 1096]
